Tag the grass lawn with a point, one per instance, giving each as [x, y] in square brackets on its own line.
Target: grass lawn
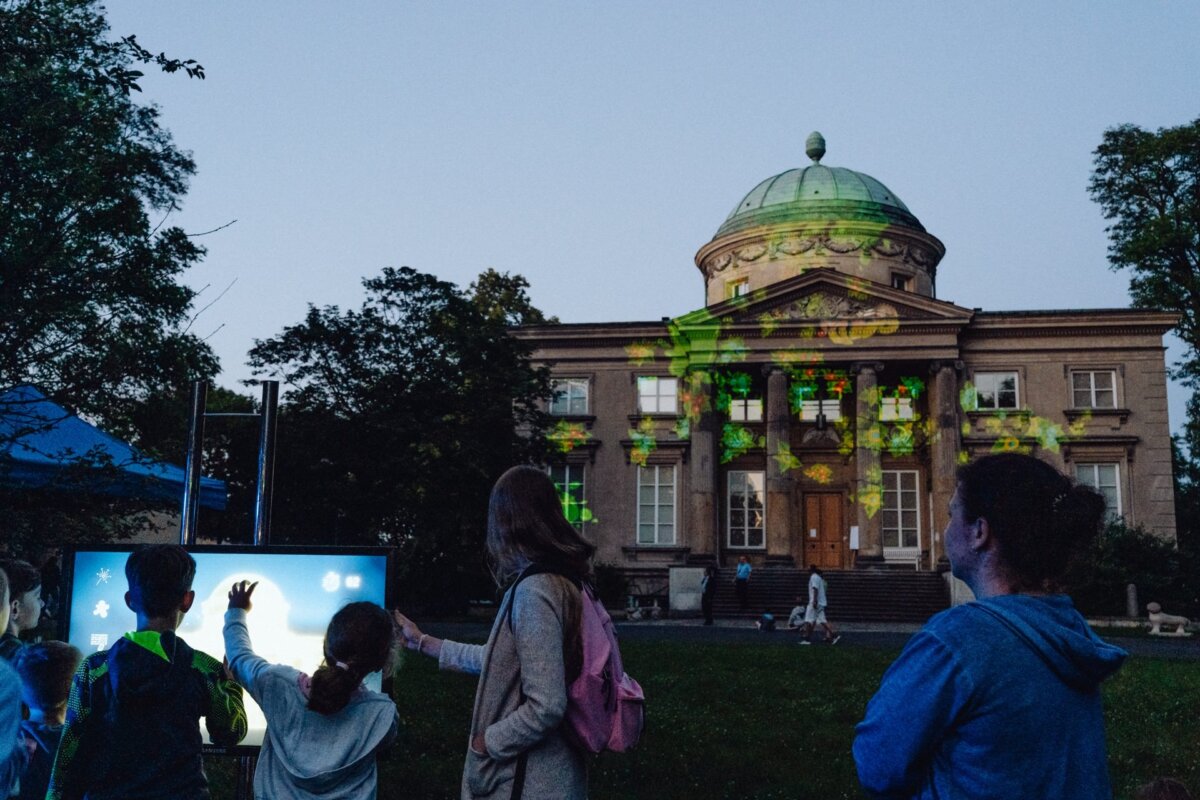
[760, 721]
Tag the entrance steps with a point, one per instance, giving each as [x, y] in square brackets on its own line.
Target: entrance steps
[857, 595]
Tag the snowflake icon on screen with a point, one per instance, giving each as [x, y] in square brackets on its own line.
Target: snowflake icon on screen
[102, 576]
[331, 582]
[101, 610]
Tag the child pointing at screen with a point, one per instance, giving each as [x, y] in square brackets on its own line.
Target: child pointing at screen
[323, 731]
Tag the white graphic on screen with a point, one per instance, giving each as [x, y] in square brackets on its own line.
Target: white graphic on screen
[101, 610]
[331, 582]
[100, 641]
[103, 576]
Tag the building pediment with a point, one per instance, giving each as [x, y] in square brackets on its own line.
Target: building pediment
[823, 296]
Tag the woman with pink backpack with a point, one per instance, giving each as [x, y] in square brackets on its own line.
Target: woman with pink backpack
[539, 706]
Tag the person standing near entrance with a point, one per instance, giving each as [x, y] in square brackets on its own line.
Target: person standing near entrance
[815, 613]
[741, 582]
[708, 589]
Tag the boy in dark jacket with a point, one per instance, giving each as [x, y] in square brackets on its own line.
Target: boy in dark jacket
[132, 727]
[45, 671]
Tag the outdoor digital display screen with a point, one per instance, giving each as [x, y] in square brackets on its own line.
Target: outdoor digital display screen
[298, 592]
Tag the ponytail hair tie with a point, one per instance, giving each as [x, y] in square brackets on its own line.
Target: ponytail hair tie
[342, 665]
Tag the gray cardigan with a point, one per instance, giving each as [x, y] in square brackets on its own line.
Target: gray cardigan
[526, 659]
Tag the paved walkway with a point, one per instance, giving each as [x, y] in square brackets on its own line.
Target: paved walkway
[861, 634]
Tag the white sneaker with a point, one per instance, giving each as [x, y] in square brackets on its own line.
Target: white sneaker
[805, 641]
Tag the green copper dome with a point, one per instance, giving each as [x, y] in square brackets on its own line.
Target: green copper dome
[818, 193]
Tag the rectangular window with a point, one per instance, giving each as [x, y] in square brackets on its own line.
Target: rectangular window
[892, 409]
[656, 395]
[995, 390]
[1094, 389]
[809, 409]
[745, 409]
[568, 480]
[656, 505]
[900, 281]
[746, 521]
[570, 396]
[901, 512]
[1105, 479]
[737, 288]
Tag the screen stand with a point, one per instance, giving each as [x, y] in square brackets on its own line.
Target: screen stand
[244, 789]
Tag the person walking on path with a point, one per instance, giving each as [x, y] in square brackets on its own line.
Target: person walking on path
[741, 582]
[999, 698]
[517, 747]
[708, 589]
[815, 613]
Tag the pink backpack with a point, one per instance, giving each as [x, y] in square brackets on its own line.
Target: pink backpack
[605, 706]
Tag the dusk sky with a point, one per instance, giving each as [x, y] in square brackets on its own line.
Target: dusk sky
[595, 147]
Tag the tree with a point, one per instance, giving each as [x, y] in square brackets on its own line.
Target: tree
[502, 298]
[399, 416]
[91, 306]
[1148, 186]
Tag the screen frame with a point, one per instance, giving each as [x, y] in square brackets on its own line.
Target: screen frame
[68, 588]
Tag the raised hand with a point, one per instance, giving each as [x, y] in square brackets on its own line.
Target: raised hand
[408, 631]
[239, 595]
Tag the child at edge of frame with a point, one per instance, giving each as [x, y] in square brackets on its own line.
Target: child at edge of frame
[45, 670]
[133, 715]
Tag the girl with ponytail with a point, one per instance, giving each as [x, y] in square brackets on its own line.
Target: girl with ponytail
[1000, 697]
[324, 731]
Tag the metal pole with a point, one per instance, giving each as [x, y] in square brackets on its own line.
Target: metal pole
[266, 463]
[191, 486]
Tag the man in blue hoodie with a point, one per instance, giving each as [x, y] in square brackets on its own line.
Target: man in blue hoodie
[999, 699]
[132, 730]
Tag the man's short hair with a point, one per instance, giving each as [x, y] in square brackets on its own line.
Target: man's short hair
[159, 576]
[22, 576]
[46, 669]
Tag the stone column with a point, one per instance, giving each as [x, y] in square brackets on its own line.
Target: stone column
[868, 465]
[943, 449]
[779, 483]
[702, 508]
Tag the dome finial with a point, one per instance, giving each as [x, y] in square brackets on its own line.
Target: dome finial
[814, 146]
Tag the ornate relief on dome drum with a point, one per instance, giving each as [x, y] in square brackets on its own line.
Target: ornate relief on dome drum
[792, 247]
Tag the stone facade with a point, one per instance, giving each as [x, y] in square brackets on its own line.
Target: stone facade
[817, 414]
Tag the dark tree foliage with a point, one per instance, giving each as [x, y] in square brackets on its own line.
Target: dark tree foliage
[1120, 556]
[91, 307]
[1148, 185]
[397, 419]
[502, 298]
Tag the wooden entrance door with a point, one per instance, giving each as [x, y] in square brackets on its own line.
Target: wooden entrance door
[823, 543]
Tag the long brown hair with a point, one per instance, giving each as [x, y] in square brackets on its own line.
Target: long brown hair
[526, 525]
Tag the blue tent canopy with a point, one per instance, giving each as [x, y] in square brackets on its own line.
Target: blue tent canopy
[44, 445]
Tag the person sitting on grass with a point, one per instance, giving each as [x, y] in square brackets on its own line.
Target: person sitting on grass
[766, 623]
[132, 727]
[796, 618]
[24, 602]
[323, 732]
[999, 698]
[45, 670]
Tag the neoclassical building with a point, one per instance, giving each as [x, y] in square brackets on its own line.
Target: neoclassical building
[815, 410]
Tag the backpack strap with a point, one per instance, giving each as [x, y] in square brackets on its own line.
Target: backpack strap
[529, 572]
